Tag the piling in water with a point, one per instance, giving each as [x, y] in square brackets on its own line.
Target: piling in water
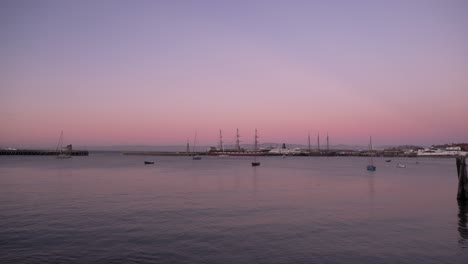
[462, 179]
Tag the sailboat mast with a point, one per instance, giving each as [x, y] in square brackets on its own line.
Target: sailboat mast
[221, 140]
[318, 142]
[256, 140]
[328, 144]
[194, 143]
[60, 142]
[188, 146]
[309, 142]
[255, 145]
[238, 140]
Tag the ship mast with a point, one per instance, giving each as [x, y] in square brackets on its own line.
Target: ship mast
[238, 140]
[328, 145]
[221, 140]
[256, 140]
[194, 143]
[371, 153]
[318, 142]
[309, 142]
[188, 146]
[60, 143]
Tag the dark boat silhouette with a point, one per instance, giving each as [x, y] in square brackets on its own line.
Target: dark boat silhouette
[255, 163]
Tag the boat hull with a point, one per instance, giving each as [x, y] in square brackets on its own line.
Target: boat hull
[371, 168]
[238, 154]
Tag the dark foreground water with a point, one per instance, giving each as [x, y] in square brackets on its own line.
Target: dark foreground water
[109, 208]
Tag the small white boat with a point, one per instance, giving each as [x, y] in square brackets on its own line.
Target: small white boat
[195, 155]
[399, 165]
[63, 152]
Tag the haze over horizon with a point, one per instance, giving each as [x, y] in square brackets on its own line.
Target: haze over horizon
[156, 72]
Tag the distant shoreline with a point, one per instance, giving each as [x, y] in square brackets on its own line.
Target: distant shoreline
[331, 153]
[37, 152]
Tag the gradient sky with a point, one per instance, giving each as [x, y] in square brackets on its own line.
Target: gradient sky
[154, 72]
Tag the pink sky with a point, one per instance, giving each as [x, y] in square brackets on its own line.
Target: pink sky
[157, 72]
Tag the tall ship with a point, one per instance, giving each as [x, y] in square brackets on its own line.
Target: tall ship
[237, 150]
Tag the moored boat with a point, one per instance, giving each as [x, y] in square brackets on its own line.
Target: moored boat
[371, 166]
[63, 152]
[237, 151]
[240, 153]
[195, 155]
[255, 162]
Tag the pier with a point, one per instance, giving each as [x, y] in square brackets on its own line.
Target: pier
[161, 153]
[32, 152]
[462, 194]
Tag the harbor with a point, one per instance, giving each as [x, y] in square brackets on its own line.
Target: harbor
[276, 150]
[298, 152]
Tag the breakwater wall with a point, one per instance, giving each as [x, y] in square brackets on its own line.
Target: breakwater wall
[159, 153]
[32, 152]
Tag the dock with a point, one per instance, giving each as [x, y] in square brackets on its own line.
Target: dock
[33, 152]
[462, 194]
[160, 153]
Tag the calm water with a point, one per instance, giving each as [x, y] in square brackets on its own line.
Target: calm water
[109, 208]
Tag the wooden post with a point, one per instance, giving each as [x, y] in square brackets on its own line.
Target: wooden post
[462, 179]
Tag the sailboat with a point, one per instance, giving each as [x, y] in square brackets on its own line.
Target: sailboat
[371, 166]
[60, 149]
[255, 162]
[195, 155]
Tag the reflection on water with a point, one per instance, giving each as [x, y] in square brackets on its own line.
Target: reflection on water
[254, 179]
[462, 222]
[371, 186]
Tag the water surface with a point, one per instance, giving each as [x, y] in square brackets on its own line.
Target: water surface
[110, 208]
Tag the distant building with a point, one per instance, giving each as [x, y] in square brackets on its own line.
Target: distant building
[442, 152]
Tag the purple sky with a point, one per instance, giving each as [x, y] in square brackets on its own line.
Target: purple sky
[155, 72]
